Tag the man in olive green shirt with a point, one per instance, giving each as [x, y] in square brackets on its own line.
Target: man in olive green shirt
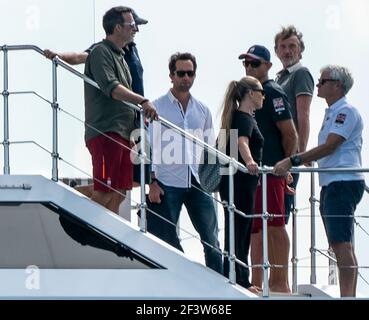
[109, 115]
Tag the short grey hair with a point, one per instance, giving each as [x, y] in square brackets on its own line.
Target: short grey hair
[340, 73]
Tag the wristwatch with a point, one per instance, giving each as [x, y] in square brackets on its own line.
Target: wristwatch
[295, 160]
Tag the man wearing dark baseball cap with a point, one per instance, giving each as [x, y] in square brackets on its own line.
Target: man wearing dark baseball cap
[280, 139]
[138, 19]
[256, 52]
[132, 58]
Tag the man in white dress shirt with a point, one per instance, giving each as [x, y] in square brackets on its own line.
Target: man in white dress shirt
[175, 163]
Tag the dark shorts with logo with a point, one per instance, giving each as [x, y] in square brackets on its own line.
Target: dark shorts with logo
[338, 203]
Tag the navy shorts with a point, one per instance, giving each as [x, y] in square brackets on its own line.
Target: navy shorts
[338, 202]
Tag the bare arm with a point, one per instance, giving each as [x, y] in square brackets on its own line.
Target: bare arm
[332, 143]
[289, 136]
[72, 58]
[303, 113]
[243, 147]
[120, 92]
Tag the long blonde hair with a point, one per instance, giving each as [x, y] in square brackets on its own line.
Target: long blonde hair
[235, 93]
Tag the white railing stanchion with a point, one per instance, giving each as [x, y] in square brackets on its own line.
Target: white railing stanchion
[294, 258]
[142, 154]
[312, 229]
[265, 217]
[231, 207]
[55, 106]
[5, 94]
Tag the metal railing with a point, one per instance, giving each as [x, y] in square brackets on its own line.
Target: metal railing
[233, 166]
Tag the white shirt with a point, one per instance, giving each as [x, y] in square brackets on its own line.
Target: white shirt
[342, 119]
[175, 158]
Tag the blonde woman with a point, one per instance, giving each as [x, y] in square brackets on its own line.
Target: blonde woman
[241, 133]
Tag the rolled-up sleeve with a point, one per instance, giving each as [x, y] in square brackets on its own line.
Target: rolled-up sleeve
[102, 70]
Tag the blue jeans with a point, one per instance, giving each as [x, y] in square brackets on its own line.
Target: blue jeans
[200, 208]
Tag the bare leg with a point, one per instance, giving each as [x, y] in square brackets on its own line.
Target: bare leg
[86, 190]
[356, 273]
[347, 264]
[116, 200]
[102, 198]
[257, 258]
[279, 245]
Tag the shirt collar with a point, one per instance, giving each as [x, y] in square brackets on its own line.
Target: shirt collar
[173, 99]
[129, 46]
[291, 69]
[113, 46]
[338, 103]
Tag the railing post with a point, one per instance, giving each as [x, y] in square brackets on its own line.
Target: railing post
[312, 229]
[5, 94]
[294, 259]
[142, 153]
[231, 258]
[265, 217]
[332, 268]
[55, 107]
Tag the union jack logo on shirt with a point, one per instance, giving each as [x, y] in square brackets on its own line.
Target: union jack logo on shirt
[278, 104]
[341, 117]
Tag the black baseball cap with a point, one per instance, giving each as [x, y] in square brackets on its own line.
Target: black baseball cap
[138, 19]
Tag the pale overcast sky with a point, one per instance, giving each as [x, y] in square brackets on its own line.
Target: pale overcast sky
[335, 31]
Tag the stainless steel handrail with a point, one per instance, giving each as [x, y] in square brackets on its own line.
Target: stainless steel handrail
[55, 156]
[233, 164]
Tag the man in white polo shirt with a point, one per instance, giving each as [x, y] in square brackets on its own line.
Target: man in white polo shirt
[175, 179]
[339, 146]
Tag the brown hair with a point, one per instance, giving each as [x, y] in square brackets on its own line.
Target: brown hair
[286, 33]
[181, 56]
[114, 16]
[235, 93]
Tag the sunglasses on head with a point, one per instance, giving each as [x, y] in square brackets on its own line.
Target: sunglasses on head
[182, 73]
[253, 63]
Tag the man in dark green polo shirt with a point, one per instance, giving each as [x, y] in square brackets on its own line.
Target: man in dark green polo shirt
[109, 115]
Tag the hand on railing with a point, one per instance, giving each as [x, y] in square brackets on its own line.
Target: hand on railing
[50, 54]
[149, 110]
[281, 168]
[252, 167]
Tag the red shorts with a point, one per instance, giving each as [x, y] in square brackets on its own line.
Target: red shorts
[111, 162]
[275, 202]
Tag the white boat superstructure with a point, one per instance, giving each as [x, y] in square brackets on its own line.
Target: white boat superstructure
[156, 271]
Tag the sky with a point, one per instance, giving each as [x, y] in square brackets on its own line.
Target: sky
[216, 32]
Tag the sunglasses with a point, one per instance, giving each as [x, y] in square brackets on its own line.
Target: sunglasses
[323, 81]
[260, 90]
[182, 73]
[132, 24]
[253, 63]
